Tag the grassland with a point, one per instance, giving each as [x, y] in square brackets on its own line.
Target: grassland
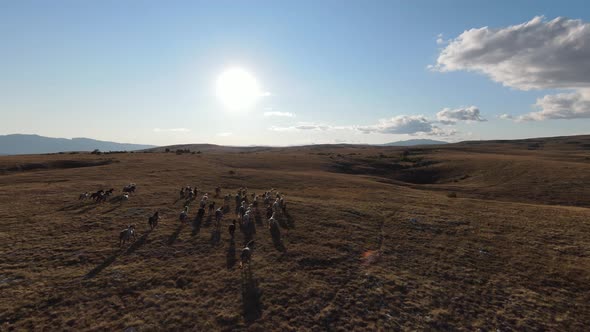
[490, 236]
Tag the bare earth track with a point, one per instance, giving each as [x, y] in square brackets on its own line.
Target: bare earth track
[375, 240]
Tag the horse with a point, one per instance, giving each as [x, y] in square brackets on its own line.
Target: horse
[130, 188]
[232, 228]
[184, 214]
[95, 195]
[126, 235]
[218, 215]
[246, 255]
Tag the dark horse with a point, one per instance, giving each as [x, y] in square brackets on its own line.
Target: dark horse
[153, 220]
[129, 188]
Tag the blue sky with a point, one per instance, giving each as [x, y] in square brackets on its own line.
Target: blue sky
[347, 71]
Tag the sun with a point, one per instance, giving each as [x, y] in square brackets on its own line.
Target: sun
[238, 89]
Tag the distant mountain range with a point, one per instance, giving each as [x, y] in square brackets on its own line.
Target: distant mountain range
[412, 142]
[34, 144]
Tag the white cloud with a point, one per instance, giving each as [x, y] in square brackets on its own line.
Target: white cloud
[451, 116]
[224, 134]
[574, 105]
[537, 54]
[406, 124]
[304, 126]
[506, 116]
[283, 114]
[403, 124]
[160, 130]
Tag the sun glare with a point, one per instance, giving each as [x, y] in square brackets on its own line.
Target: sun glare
[238, 89]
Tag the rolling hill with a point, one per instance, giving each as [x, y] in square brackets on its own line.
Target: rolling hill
[413, 142]
[470, 236]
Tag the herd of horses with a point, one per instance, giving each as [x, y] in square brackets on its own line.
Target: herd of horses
[246, 208]
[102, 195]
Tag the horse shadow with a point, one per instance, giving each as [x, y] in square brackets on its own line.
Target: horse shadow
[111, 259]
[116, 199]
[215, 236]
[174, 236]
[258, 218]
[230, 257]
[277, 242]
[89, 208]
[209, 220]
[247, 232]
[138, 243]
[107, 262]
[197, 225]
[74, 206]
[251, 295]
[289, 220]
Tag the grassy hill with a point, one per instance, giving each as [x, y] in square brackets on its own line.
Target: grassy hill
[476, 235]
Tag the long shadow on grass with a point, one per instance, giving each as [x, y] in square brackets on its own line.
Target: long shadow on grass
[111, 259]
[215, 235]
[197, 225]
[230, 257]
[289, 220]
[251, 296]
[89, 208]
[135, 245]
[258, 218]
[74, 206]
[208, 221]
[107, 262]
[275, 233]
[174, 235]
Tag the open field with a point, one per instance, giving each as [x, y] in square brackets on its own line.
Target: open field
[489, 235]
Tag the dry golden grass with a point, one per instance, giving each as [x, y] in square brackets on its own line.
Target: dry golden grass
[373, 241]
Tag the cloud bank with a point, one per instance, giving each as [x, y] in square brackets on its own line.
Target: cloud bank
[283, 114]
[538, 54]
[401, 125]
[575, 105]
[451, 116]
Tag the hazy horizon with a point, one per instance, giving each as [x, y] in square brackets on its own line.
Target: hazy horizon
[283, 74]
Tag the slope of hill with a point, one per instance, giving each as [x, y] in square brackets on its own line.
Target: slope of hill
[413, 142]
[491, 236]
[34, 144]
